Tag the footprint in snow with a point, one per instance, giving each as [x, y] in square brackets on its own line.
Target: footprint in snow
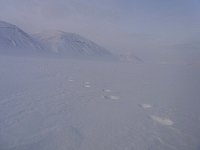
[70, 80]
[112, 97]
[87, 85]
[162, 120]
[106, 90]
[145, 106]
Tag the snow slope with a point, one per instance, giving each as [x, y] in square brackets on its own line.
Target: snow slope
[58, 104]
[71, 44]
[15, 40]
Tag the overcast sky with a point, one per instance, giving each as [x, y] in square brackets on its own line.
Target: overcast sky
[125, 25]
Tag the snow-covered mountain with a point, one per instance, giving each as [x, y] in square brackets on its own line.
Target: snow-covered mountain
[15, 40]
[71, 44]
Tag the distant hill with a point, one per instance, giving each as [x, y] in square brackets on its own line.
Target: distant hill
[72, 45]
[15, 40]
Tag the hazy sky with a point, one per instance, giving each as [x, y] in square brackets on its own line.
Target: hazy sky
[116, 24]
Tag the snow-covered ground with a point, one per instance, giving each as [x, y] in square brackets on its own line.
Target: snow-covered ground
[58, 104]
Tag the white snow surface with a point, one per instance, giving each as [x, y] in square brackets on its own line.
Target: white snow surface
[42, 109]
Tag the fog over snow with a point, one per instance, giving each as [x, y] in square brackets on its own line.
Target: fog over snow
[99, 75]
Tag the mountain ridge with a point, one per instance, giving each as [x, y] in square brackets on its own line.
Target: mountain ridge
[12, 37]
[14, 40]
[68, 43]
